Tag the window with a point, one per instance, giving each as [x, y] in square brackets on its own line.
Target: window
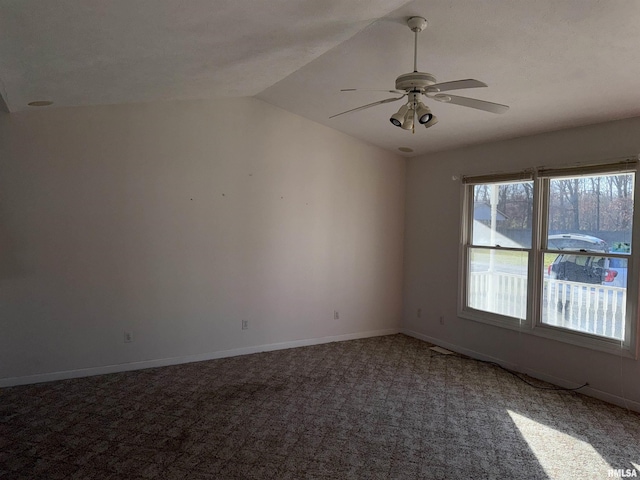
[550, 252]
[498, 260]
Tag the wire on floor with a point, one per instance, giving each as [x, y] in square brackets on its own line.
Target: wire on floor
[515, 374]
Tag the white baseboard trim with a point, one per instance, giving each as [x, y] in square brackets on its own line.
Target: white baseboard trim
[164, 362]
[589, 391]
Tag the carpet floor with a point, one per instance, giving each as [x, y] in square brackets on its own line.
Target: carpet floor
[377, 408]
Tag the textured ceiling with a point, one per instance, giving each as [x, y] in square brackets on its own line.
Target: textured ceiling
[87, 52]
[557, 63]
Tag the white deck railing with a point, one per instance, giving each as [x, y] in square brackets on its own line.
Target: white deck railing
[596, 309]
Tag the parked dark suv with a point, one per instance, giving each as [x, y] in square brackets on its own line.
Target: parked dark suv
[578, 268]
[592, 269]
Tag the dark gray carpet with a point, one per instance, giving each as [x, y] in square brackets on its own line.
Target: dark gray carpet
[384, 407]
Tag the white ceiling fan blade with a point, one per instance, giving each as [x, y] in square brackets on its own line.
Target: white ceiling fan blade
[369, 105]
[471, 102]
[455, 85]
[370, 90]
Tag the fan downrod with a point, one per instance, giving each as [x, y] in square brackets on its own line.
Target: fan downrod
[415, 81]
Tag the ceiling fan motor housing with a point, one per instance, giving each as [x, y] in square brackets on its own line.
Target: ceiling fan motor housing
[415, 81]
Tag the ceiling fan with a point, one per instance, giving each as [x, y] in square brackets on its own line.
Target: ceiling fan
[415, 84]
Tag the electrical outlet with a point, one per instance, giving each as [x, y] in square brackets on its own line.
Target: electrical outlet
[128, 337]
[419, 313]
[336, 315]
[245, 324]
[441, 319]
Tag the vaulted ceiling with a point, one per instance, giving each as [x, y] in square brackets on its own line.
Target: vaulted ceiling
[556, 63]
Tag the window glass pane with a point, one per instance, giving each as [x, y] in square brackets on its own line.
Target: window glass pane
[592, 213]
[497, 281]
[503, 214]
[586, 293]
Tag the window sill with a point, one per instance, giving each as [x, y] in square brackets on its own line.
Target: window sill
[580, 339]
[585, 340]
[495, 319]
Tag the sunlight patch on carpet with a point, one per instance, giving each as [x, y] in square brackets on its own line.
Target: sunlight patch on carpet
[560, 455]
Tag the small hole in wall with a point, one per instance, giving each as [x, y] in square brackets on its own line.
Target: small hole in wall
[405, 149]
[40, 103]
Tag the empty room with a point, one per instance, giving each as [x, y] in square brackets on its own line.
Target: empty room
[319, 239]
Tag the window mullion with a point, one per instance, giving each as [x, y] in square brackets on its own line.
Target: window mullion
[539, 226]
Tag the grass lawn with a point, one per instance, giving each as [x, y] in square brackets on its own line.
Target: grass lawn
[508, 257]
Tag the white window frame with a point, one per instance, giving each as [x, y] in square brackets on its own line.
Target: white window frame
[532, 324]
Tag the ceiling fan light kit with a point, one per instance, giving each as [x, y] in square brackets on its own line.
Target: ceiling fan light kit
[415, 84]
[398, 118]
[424, 113]
[408, 121]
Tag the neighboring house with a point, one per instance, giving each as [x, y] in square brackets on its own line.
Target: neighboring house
[482, 212]
[482, 235]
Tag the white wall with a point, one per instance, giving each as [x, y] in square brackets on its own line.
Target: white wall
[176, 221]
[432, 239]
